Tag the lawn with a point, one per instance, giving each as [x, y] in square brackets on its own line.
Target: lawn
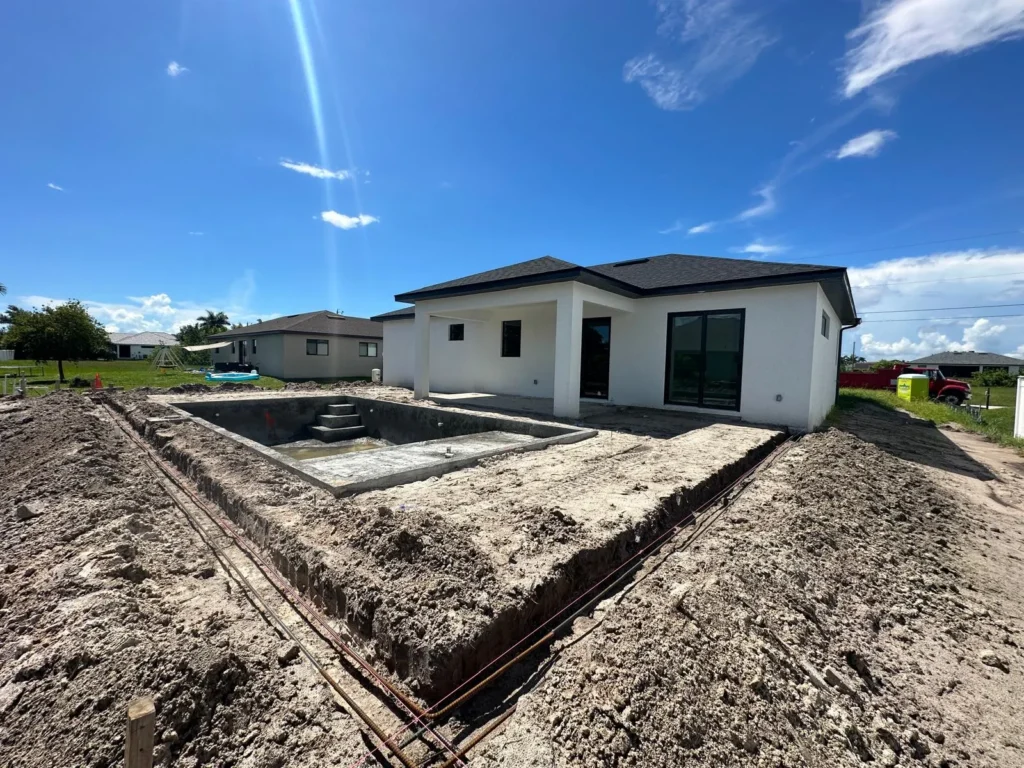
[997, 425]
[113, 373]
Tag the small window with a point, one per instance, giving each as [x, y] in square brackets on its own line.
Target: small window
[367, 349]
[254, 346]
[316, 347]
[824, 323]
[511, 337]
[456, 332]
[232, 347]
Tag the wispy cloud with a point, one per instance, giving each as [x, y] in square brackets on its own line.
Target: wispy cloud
[896, 33]
[953, 279]
[766, 206]
[702, 229]
[315, 170]
[341, 221]
[711, 44]
[676, 226]
[197, 234]
[759, 248]
[51, 185]
[866, 145]
[174, 69]
[159, 312]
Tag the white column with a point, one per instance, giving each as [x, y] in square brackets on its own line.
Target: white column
[568, 337]
[421, 346]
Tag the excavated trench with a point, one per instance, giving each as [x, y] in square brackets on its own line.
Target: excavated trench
[393, 631]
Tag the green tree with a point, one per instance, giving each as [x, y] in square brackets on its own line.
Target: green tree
[848, 361]
[191, 335]
[879, 365]
[213, 322]
[66, 332]
[3, 289]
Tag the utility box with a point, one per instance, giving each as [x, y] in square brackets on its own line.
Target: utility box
[912, 386]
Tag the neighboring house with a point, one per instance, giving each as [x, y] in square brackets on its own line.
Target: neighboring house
[138, 346]
[965, 363]
[313, 345]
[722, 336]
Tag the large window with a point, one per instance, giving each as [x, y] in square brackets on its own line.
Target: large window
[704, 359]
[316, 346]
[511, 338]
[367, 349]
[457, 332]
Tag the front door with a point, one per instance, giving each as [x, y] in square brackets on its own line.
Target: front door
[241, 351]
[595, 354]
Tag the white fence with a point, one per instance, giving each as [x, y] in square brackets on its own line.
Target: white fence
[1018, 416]
[6, 354]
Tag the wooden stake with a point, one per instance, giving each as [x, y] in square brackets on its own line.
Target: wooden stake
[138, 746]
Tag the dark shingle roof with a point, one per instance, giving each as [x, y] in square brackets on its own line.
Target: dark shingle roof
[324, 322]
[395, 314]
[968, 358]
[666, 274]
[545, 265]
[675, 270]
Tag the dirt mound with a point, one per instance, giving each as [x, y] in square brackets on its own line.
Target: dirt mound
[109, 595]
[301, 386]
[824, 621]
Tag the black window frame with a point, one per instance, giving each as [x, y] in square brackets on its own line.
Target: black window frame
[253, 340]
[826, 323]
[704, 345]
[456, 336]
[317, 343]
[364, 349]
[505, 352]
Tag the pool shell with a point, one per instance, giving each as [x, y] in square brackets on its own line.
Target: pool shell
[421, 437]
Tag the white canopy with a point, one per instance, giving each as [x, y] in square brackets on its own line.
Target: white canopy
[202, 347]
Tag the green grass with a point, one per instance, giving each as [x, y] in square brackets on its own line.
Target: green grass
[997, 425]
[129, 374]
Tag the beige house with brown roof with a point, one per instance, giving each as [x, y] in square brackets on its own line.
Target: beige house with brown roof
[312, 345]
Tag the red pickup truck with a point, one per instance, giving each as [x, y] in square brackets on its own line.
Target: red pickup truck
[950, 391]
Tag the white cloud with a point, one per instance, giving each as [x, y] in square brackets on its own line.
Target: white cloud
[159, 312]
[702, 229]
[866, 145]
[676, 226]
[928, 342]
[51, 185]
[961, 280]
[341, 221]
[197, 234]
[896, 33]
[766, 206]
[315, 170]
[758, 248]
[712, 44]
[174, 69]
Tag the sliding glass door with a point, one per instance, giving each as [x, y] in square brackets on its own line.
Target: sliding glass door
[704, 359]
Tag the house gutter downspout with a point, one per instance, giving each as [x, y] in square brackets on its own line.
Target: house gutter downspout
[839, 352]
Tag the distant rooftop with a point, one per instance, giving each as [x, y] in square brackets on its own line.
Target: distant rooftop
[145, 339]
[968, 358]
[323, 322]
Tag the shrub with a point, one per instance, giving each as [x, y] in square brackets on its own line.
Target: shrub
[993, 378]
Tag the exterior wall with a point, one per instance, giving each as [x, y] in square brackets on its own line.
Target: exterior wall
[283, 356]
[137, 351]
[789, 370]
[398, 368]
[824, 366]
[777, 351]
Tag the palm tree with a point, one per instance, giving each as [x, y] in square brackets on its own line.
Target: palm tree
[213, 322]
[3, 289]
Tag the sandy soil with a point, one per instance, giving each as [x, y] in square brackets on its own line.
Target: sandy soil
[440, 576]
[861, 601]
[852, 606]
[107, 595]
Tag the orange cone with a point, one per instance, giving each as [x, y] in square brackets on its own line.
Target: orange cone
[96, 383]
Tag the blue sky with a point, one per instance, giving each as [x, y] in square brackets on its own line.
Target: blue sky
[158, 159]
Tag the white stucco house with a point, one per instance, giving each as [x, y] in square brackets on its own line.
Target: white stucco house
[139, 346]
[753, 339]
